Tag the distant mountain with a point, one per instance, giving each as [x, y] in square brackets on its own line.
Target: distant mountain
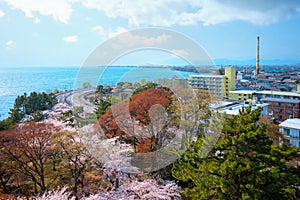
[253, 62]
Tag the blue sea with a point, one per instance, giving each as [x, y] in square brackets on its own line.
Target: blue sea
[16, 81]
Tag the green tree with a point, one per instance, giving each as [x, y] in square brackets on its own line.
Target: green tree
[102, 106]
[26, 105]
[55, 91]
[99, 89]
[86, 85]
[68, 118]
[144, 88]
[7, 124]
[107, 89]
[37, 116]
[244, 164]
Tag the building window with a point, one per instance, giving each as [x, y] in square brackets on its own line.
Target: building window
[286, 131]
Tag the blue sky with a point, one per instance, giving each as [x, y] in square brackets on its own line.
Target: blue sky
[65, 32]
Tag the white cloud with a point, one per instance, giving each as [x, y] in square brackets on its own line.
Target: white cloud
[99, 29]
[168, 12]
[71, 38]
[125, 37]
[1, 13]
[60, 10]
[189, 12]
[117, 32]
[37, 20]
[10, 44]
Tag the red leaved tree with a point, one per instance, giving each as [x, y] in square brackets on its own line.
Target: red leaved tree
[29, 147]
[145, 117]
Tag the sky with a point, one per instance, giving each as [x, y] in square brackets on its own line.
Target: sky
[65, 32]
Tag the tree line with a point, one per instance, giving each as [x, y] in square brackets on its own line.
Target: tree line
[28, 105]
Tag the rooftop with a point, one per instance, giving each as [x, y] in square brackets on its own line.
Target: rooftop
[278, 93]
[271, 92]
[234, 109]
[243, 91]
[291, 123]
[207, 75]
[281, 100]
[222, 104]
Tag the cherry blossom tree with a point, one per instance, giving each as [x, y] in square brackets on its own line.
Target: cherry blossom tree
[144, 190]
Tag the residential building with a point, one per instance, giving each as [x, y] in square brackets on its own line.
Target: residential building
[241, 95]
[277, 94]
[239, 76]
[255, 94]
[217, 85]
[282, 109]
[291, 130]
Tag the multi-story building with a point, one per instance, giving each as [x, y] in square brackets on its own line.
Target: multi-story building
[241, 95]
[255, 94]
[282, 105]
[282, 109]
[217, 85]
[291, 130]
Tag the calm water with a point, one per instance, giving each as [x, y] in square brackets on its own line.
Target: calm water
[17, 81]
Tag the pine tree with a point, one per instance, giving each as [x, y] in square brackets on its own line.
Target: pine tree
[244, 164]
[103, 106]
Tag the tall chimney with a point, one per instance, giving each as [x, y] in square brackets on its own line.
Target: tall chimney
[257, 56]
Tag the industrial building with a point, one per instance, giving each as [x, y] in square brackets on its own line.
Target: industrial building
[217, 85]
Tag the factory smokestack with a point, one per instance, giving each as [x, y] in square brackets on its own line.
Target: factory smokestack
[257, 56]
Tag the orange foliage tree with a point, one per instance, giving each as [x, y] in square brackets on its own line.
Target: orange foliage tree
[108, 121]
[141, 103]
[144, 117]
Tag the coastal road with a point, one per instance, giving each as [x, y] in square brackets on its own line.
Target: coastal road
[77, 98]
